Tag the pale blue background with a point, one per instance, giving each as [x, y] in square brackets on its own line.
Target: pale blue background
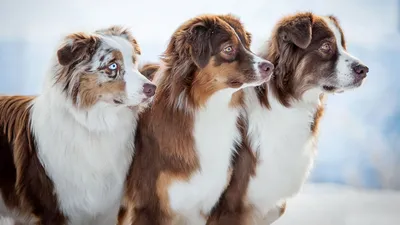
[360, 133]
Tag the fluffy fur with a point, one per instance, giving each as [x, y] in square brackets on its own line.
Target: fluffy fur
[64, 154]
[310, 58]
[190, 132]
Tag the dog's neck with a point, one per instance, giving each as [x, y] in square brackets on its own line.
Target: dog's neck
[312, 96]
[98, 118]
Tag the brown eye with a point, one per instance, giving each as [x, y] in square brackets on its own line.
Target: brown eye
[228, 49]
[326, 47]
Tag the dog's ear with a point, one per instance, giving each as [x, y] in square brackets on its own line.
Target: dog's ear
[149, 70]
[199, 36]
[296, 29]
[76, 47]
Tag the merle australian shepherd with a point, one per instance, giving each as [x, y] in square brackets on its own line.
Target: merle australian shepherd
[64, 154]
[310, 58]
[189, 134]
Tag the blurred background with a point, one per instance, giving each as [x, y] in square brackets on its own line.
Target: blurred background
[359, 144]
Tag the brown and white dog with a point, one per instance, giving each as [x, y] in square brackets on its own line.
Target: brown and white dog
[189, 133]
[310, 59]
[64, 154]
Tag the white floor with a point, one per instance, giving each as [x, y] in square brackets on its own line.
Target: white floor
[321, 204]
[340, 205]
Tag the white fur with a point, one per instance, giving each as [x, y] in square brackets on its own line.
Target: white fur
[133, 78]
[282, 140]
[256, 62]
[344, 72]
[87, 160]
[215, 133]
[87, 152]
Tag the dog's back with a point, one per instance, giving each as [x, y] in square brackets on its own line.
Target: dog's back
[15, 137]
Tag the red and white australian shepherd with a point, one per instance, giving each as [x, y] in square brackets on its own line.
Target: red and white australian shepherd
[64, 154]
[310, 59]
[189, 134]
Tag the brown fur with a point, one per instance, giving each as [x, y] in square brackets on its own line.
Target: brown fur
[149, 70]
[297, 69]
[292, 50]
[317, 116]
[81, 50]
[90, 91]
[75, 66]
[24, 184]
[230, 209]
[196, 68]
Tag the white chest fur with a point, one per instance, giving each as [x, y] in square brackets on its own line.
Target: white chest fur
[215, 133]
[88, 168]
[284, 144]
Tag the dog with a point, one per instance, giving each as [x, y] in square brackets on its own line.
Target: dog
[189, 133]
[310, 59]
[65, 153]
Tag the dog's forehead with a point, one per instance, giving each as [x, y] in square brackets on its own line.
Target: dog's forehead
[118, 43]
[117, 46]
[333, 25]
[235, 26]
[233, 33]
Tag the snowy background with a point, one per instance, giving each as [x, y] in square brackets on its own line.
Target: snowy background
[359, 145]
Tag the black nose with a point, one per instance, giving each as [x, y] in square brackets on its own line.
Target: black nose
[149, 89]
[265, 68]
[360, 70]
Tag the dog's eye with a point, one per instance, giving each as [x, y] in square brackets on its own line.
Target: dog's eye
[326, 47]
[113, 66]
[228, 49]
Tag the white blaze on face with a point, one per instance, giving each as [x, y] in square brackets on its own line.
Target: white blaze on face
[344, 72]
[261, 76]
[133, 78]
[264, 76]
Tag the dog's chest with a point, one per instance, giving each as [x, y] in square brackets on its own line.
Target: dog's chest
[215, 133]
[284, 144]
[88, 169]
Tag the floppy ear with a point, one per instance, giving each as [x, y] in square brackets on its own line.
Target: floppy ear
[149, 70]
[76, 47]
[200, 45]
[297, 30]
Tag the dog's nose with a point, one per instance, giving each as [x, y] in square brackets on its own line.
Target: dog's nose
[361, 70]
[266, 68]
[149, 89]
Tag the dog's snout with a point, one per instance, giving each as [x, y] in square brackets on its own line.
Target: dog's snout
[149, 89]
[266, 68]
[361, 70]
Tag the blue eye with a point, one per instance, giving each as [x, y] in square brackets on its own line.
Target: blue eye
[113, 66]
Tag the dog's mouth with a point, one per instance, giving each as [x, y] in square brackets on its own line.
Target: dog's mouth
[332, 89]
[336, 89]
[235, 84]
[118, 101]
[329, 88]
